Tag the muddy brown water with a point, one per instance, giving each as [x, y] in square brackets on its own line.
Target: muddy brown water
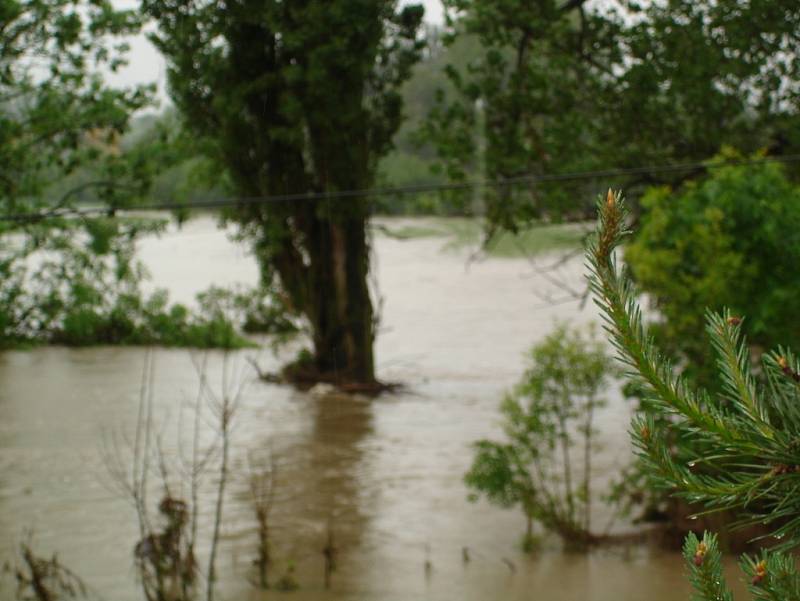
[387, 473]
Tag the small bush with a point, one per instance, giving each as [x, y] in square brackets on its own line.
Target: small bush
[548, 414]
[80, 286]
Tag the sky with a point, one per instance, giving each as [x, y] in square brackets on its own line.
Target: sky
[146, 65]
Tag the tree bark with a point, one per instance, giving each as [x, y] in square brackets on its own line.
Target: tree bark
[340, 310]
[330, 288]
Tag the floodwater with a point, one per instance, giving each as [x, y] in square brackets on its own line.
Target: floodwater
[386, 473]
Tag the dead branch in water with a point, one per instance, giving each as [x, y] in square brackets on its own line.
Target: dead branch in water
[263, 478]
[165, 554]
[41, 579]
[223, 408]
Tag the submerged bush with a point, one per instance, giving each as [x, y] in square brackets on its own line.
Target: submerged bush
[153, 322]
[549, 413]
[79, 284]
[39, 578]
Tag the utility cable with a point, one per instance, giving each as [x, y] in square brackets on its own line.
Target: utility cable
[62, 212]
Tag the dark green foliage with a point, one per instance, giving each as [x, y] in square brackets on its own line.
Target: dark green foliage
[727, 241]
[129, 321]
[297, 98]
[527, 104]
[700, 75]
[743, 439]
[493, 473]
[548, 415]
[566, 86]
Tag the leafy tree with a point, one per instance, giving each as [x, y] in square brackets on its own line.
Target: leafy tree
[700, 75]
[56, 114]
[729, 240]
[548, 413]
[572, 86]
[528, 104]
[297, 98]
[67, 277]
[744, 438]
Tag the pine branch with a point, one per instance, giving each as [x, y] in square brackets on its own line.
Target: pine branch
[772, 576]
[734, 366]
[705, 568]
[746, 443]
[616, 297]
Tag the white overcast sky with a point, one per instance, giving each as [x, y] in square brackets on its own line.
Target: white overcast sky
[146, 65]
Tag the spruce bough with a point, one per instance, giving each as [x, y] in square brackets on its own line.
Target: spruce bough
[745, 440]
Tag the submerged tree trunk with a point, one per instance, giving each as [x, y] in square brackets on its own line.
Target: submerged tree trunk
[327, 282]
[340, 308]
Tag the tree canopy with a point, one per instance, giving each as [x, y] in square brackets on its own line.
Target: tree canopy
[574, 86]
[297, 98]
[56, 113]
[700, 75]
[528, 104]
[67, 277]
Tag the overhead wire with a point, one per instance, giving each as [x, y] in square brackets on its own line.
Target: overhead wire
[218, 203]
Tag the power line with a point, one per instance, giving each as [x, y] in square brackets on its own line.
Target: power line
[396, 191]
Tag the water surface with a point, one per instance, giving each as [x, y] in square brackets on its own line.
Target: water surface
[386, 473]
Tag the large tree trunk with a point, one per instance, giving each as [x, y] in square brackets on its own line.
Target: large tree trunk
[330, 287]
[340, 308]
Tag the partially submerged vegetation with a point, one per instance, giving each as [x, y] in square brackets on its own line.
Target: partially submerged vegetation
[166, 556]
[68, 278]
[40, 578]
[544, 465]
[78, 283]
[177, 489]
